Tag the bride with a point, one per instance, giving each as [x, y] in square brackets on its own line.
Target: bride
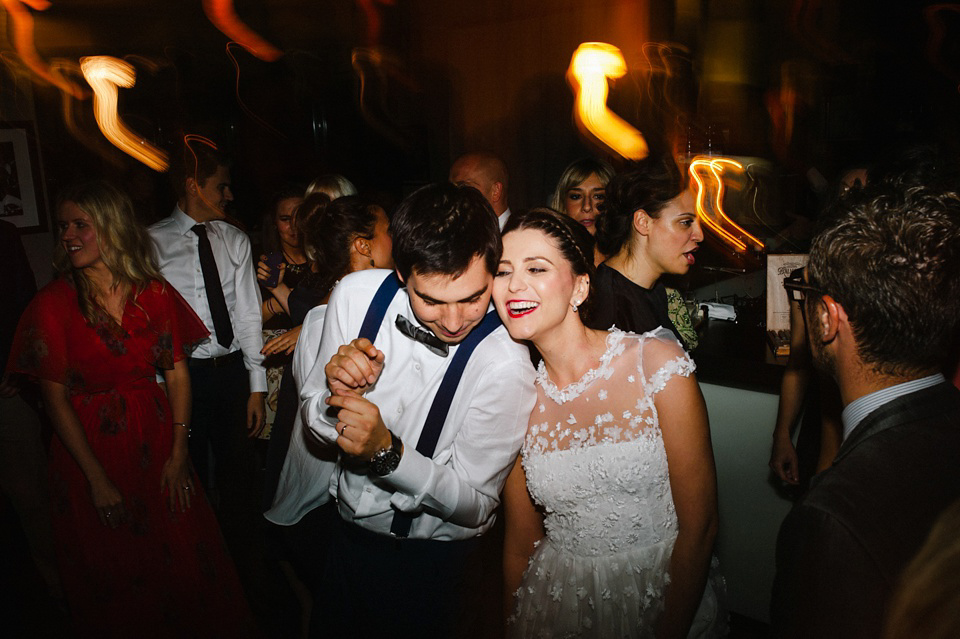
[611, 510]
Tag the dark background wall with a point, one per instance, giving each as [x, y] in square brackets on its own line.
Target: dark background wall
[797, 84]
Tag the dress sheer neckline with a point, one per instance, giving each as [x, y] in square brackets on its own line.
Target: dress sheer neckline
[573, 390]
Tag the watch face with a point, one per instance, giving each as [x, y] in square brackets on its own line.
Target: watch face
[385, 462]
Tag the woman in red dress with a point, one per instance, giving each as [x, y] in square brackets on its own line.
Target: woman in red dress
[139, 549]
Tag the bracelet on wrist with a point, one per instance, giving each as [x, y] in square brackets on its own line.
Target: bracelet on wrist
[187, 427]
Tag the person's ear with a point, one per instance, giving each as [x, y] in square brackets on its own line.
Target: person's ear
[641, 222]
[362, 246]
[581, 290]
[830, 315]
[192, 188]
[497, 191]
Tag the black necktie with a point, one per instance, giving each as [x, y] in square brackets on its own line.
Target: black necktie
[211, 282]
[428, 339]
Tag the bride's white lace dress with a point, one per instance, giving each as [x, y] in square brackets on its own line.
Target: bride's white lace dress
[595, 462]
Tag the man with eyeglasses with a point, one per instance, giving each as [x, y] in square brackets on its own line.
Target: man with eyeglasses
[881, 296]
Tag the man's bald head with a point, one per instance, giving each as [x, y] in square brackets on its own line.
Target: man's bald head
[485, 172]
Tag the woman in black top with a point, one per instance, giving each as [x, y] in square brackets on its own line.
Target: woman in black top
[650, 228]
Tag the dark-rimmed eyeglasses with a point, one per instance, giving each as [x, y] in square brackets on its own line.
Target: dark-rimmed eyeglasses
[797, 289]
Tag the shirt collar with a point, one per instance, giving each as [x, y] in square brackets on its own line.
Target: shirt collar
[407, 311]
[857, 410]
[183, 221]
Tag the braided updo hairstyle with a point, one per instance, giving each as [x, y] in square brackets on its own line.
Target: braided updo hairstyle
[649, 185]
[572, 240]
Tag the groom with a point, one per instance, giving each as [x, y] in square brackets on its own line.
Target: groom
[428, 431]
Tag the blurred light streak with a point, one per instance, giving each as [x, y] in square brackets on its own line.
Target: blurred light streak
[659, 51]
[224, 18]
[374, 21]
[367, 62]
[143, 61]
[591, 65]
[713, 167]
[188, 140]
[105, 74]
[937, 28]
[243, 106]
[24, 44]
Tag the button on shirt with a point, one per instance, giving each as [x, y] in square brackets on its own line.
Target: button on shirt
[179, 262]
[458, 490]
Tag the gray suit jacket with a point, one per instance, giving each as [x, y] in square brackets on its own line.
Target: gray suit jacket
[843, 546]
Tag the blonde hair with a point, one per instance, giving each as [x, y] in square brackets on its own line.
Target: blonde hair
[331, 184]
[574, 175]
[125, 247]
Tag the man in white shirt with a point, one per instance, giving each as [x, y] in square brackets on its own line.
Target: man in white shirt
[412, 516]
[488, 174]
[882, 308]
[228, 381]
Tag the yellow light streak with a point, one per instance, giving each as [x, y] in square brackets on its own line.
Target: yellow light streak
[592, 64]
[224, 18]
[27, 50]
[105, 74]
[713, 168]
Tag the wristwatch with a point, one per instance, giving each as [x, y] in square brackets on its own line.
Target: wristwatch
[386, 460]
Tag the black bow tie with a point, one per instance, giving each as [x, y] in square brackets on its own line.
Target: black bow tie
[428, 339]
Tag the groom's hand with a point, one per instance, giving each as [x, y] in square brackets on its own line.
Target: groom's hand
[362, 431]
[355, 368]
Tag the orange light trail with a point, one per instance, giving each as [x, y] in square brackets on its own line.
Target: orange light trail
[188, 139]
[224, 18]
[592, 64]
[374, 21]
[243, 106]
[24, 44]
[715, 167]
[105, 74]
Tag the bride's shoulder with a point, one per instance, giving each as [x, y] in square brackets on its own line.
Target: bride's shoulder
[659, 355]
[658, 344]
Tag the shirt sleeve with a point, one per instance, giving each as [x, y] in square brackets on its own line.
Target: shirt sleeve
[248, 318]
[462, 485]
[308, 344]
[176, 325]
[662, 359]
[314, 390]
[40, 344]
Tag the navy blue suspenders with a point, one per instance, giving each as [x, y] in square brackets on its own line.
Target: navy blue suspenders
[437, 415]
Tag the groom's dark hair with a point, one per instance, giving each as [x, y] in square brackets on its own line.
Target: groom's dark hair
[440, 229]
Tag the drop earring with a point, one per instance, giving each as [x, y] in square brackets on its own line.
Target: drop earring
[575, 306]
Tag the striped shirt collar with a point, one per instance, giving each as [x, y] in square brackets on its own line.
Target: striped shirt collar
[857, 410]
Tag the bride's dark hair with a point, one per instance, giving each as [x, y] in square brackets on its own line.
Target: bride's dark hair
[572, 240]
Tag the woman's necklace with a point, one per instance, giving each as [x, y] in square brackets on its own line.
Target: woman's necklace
[293, 267]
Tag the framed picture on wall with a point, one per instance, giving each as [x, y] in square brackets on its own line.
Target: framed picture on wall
[22, 201]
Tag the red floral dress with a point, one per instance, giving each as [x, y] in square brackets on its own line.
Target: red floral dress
[162, 573]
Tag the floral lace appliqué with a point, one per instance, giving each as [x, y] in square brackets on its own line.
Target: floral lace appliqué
[614, 347]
